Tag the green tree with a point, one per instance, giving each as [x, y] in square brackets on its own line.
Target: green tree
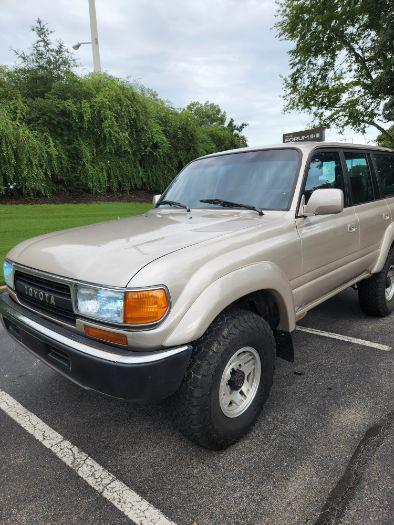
[236, 128]
[385, 141]
[207, 114]
[46, 63]
[45, 55]
[210, 114]
[342, 61]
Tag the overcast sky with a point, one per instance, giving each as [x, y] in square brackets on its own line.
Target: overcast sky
[224, 51]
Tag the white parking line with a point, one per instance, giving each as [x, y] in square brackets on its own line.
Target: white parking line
[126, 500]
[354, 340]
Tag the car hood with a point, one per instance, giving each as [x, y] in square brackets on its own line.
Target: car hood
[111, 253]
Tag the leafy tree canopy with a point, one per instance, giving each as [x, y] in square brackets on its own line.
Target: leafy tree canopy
[384, 140]
[45, 55]
[342, 61]
[44, 64]
[210, 114]
[207, 114]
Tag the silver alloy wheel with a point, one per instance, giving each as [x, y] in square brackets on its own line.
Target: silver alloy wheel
[240, 382]
[390, 282]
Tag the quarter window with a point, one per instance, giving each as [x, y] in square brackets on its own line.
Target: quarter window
[385, 169]
[325, 171]
[360, 177]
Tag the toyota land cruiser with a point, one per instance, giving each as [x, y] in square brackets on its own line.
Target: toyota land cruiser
[194, 299]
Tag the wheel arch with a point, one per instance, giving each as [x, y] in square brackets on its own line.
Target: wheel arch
[385, 247]
[261, 286]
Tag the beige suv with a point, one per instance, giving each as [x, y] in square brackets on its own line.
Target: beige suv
[194, 299]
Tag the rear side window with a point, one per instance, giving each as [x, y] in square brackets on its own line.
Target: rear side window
[325, 171]
[385, 170]
[361, 183]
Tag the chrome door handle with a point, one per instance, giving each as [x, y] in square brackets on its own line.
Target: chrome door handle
[351, 228]
[386, 216]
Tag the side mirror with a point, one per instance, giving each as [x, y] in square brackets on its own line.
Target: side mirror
[324, 202]
[155, 199]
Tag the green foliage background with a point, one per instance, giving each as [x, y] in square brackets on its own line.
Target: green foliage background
[96, 133]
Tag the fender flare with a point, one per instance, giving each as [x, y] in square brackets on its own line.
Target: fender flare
[387, 242]
[227, 289]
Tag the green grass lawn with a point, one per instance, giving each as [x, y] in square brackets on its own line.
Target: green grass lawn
[22, 221]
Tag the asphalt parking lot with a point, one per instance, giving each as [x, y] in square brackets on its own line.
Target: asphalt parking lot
[320, 453]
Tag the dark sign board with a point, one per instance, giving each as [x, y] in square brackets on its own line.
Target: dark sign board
[308, 135]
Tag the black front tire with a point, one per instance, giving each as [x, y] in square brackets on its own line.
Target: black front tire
[197, 408]
[372, 291]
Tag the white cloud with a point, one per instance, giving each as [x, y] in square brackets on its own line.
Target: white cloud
[224, 51]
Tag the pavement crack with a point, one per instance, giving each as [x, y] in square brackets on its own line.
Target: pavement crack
[106, 485]
[344, 490]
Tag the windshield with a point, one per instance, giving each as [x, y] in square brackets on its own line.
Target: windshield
[264, 179]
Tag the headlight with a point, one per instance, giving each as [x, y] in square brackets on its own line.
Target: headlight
[8, 272]
[133, 308]
[97, 303]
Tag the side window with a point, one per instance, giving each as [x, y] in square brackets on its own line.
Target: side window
[385, 170]
[325, 171]
[361, 183]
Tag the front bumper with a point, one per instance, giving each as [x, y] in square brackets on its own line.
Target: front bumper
[117, 372]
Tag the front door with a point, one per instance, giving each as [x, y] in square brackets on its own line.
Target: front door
[330, 243]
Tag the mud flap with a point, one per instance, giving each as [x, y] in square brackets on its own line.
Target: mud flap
[284, 345]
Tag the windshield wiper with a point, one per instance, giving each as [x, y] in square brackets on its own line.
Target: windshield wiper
[229, 204]
[174, 203]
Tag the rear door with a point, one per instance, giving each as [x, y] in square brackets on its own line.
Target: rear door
[384, 168]
[371, 209]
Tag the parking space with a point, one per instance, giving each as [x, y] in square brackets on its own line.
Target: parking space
[320, 452]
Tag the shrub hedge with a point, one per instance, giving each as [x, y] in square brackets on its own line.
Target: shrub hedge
[95, 133]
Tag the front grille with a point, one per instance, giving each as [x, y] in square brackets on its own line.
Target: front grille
[49, 297]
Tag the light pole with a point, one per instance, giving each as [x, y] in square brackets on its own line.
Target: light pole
[79, 44]
[94, 35]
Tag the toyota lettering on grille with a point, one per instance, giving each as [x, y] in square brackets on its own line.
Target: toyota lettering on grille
[44, 297]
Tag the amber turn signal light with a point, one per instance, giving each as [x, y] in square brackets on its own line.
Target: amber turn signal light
[145, 306]
[105, 335]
